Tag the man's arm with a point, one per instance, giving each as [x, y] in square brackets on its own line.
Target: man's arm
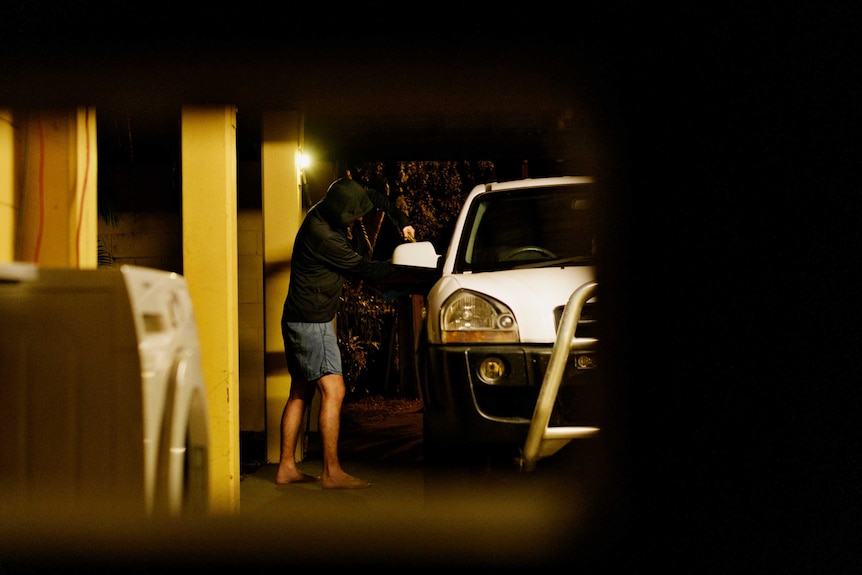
[396, 216]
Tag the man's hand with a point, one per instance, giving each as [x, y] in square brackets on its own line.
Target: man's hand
[408, 233]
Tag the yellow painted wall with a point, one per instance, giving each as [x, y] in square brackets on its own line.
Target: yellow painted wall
[209, 212]
[48, 203]
[283, 213]
[8, 203]
[252, 375]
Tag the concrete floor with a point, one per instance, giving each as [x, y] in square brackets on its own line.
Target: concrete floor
[486, 513]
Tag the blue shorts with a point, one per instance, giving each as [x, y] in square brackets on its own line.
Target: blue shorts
[311, 350]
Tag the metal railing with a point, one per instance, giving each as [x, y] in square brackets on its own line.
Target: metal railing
[544, 440]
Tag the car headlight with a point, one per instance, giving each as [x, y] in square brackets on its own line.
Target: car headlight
[469, 317]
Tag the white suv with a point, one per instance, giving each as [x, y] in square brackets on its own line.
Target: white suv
[519, 250]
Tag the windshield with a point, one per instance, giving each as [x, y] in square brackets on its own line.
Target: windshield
[538, 227]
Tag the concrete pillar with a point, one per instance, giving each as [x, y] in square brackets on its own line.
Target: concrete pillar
[209, 214]
[282, 215]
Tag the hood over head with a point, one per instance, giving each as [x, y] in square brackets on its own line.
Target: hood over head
[345, 200]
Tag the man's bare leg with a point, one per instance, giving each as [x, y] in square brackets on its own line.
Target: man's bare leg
[332, 391]
[301, 393]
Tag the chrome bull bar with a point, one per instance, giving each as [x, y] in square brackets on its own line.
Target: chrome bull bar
[543, 441]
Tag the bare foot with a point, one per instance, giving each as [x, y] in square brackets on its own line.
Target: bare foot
[343, 481]
[294, 476]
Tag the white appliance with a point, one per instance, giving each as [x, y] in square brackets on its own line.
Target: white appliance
[102, 399]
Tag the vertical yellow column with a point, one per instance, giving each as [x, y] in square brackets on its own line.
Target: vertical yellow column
[83, 220]
[282, 215]
[8, 203]
[210, 268]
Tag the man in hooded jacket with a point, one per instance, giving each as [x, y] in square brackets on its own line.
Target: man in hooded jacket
[322, 256]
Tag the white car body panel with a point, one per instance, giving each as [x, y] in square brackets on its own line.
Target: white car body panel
[529, 293]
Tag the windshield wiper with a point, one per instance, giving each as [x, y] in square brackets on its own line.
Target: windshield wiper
[580, 260]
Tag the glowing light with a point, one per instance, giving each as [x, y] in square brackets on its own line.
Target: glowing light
[302, 160]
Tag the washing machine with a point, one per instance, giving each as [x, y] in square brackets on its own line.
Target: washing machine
[102, 398]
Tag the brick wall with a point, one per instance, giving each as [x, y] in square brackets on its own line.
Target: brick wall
[152, 239]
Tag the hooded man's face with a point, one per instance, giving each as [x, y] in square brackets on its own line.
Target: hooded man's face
[351, 223]
[345, 202]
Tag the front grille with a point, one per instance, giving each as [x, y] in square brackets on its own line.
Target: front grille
[517, 398]
[587, 324]
[575, 404]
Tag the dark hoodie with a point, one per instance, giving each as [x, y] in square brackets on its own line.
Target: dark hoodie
[345, 201]
[322, 255]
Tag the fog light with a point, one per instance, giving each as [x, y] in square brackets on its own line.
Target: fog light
[492, 369]
[585, 362]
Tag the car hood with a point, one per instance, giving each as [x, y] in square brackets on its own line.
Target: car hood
[531, 294]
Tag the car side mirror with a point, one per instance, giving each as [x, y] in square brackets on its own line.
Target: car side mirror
[416, 255]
